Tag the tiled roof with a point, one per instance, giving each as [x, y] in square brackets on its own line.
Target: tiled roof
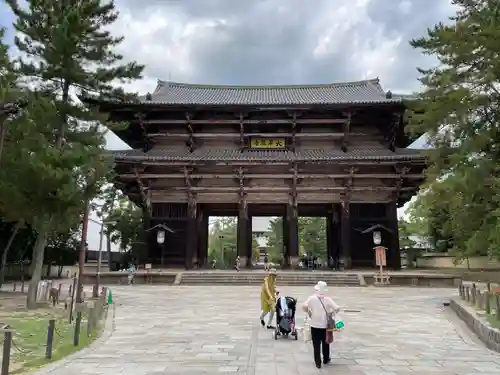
[360, 92]
[266, 155]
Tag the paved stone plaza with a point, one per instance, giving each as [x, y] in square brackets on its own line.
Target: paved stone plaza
[163, 330]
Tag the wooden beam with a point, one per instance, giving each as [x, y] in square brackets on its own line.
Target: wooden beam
[142, 190]
[386, 176]
[294, 131]
[237, 189]
[347, 132]
[146, 141]
[190, 132]
[293, 193]
[242, 132]
[153, 163]
[235, 135]
[249, 122]
[399, 182]
[242, 193]
[393, 131]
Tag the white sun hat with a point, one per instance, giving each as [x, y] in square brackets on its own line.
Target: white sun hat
[321, 287]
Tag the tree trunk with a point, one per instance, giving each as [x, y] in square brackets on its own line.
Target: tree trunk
[3, 262]
[59, 272]
[49, 268]
[37, 267]
[108, 250]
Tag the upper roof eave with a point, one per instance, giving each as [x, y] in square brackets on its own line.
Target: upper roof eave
[180, 95]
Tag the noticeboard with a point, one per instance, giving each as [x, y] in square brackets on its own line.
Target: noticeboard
[267, 143]
[380, 256]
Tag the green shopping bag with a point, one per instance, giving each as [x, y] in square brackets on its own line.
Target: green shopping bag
[339, 322]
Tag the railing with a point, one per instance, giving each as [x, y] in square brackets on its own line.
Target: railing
[60, 333]
[487, 300]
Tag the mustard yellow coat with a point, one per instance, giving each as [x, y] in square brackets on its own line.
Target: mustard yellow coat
[268, 294]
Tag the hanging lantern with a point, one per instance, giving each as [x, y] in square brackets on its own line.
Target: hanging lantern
[160, 236]
[377, 238]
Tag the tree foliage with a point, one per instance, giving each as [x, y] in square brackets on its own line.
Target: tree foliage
[124, 225]
[312, 238]
[275, 240]
[222, 242]
[459, 109]
[55, 160]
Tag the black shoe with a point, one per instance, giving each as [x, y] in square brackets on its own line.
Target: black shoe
[318, 365]
[271, 327]
[327, 361]
[262, 322]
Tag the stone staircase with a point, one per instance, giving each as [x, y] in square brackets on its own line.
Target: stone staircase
[256, 277]
[91, 266]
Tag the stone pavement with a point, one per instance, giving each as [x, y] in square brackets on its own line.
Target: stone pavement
[182, 330]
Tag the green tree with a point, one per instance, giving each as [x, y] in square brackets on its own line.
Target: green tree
[312, 236]
[459, 111]
[65, 47]
[110, 196]
[275, 240]
[223, 240]
[124, 225]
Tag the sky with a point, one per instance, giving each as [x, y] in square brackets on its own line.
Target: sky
[271, 42]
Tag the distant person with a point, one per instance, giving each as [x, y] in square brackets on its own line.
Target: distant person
[331, 263]
[319, 262]
[266, 263]
[131, 273]
[238, 263]
[214, 263]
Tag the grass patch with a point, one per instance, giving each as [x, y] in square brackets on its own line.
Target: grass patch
[30, 334]
[494, 322]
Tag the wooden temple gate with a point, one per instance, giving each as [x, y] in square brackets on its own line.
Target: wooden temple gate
[334, 150]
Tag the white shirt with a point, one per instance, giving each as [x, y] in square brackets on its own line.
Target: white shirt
[318, 314]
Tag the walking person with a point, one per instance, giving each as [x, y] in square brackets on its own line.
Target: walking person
[266, 262]
[131, 273]
[321, 310]
[238, 263]
[268, 298]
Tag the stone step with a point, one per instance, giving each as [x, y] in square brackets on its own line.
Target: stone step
[190, 278]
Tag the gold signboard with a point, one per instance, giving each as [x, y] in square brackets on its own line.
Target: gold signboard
[267, 143]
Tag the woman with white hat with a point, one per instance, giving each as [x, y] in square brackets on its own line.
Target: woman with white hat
[321, 310]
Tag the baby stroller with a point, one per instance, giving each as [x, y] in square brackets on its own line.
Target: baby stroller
[285, 317]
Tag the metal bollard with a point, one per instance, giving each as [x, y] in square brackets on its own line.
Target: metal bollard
[78, 323]
[7, 343]
[50, 338]
[487, 303]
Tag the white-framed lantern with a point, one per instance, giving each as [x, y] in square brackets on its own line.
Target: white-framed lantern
[377, 237]
[160, 236]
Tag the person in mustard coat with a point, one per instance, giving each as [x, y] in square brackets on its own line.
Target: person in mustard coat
[268, 298]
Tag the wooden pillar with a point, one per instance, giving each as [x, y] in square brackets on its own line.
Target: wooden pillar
[202, 239]
[330, 237]
[394, 256]
[345, 230]
[293, 235]
[145, 258]
[242, 232]
[191, 234]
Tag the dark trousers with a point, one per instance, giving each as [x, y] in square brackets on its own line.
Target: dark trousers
[318, 336]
